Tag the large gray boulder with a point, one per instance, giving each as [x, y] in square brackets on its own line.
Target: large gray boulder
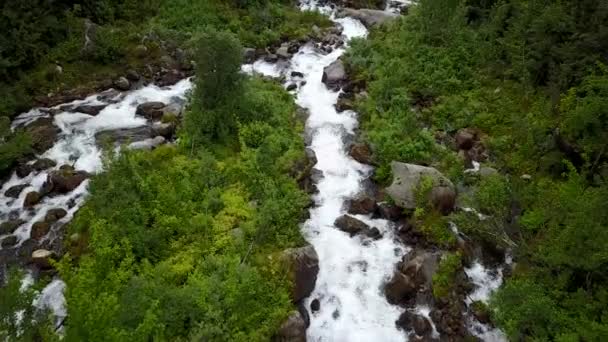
[369, 17]
[334, 74]
[292, 330]
[123, 135]
[302, 266]
[406, 181]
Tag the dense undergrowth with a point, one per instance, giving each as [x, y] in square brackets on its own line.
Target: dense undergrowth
[532, 77]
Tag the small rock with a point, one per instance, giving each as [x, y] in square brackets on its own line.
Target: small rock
[9, 241]
[271, 58]
[43, 164]
[361, 153]
[140, 51]
[15, 190]
[9, 227]
[302, 265]
[148, 144]
[132, 75]
[40, 229]
[122, 84]
[23, 170]
[54, 215]
[465, 138]
[283, 52]
[292, 330]
[42, 258]
[249, 55]
[443, 198]
[31, 199]
[399, 289]
[334, 75]
[151, 110]
[526, 177]
[292, 86]
[165, 130]
[89, 109]
[344, 104]
[361, 206]
[315, 305]
[487, 171]
[351, 225]
[297, 74]
[389, 212]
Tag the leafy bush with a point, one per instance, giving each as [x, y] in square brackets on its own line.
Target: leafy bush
[443, 279]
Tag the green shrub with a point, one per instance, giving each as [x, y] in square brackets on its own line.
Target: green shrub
[444, 278]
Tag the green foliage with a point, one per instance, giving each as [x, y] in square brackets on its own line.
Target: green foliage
[444, 278]
[13, 146]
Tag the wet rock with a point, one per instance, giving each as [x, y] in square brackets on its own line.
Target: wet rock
[23, 170]
[292, 86]
[31, 199]
[89, 109]
[344, 104]
[411, 321]
[443, 198]
[481, 312]
[315, 305]
[351, 225]
[123, 135]
[42, 258]
[369, 17]
[110, 96]
[169, 78]
[43, 164]
[389, 211]
[54, 215]
[249, 55]
[420, 266]
[151, 110]
[165, 130]
[66, 179]
[406, 180]
[9, 241]
[271, 58]
[465, 138]
[9, 227]
[283, 52]
[44, 134]
[148, 144]
[133, 76]
[399, 289]
[334, 75]
[292, 330]
[362, 206]
[478, 152]
[297, 74]
[302, 265]
[122, 83]
[361, 153]
[15, 190]
[40, 229]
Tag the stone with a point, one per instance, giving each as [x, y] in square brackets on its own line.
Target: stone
[443, 198]
[389, 211]
[481, 312]
[406, 180]
[9, 227]
[23, 170]
[399, 289]
[361, 206]
[292, 86]
[369, 17]
[411, 321]
[89, 109]
[344, 104]
[43, 164]
[334, 75]
[168, 78]
[297, 74]
[249, 55]
[44, 134]
[361, 153]
[133, 76]
[420, 266]
[15, 190]
[151, 110]
[283, 52]
[122, 83]
[55, 214]
[292, 330]
[271, 58]
[66, 179]
[31, 199]
[526, 177]
[148, 144]
[315, 305]
[40, 229]
[9, 241]
[140, 51]
[302, 265]
[123, 135]
[465, 138]
[351, 225]
[42, 258]
[485, 171]
[165, 130]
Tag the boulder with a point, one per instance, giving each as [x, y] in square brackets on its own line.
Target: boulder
[31, 199]
[443, 198]
[361, 153]
[283, 52]
[369, 17]
[40, 229]
[89, 109]
[133, 76]
[168, 78]
[54, 215]
[165, 130]
[302, 265]
[271, 58]
[23, 170]
[406, 180]
[292, 330]
[334, 75]
[148, 144]
[9, 227]
[361, 206]
[44, 133]
[9, 241]
[65, 180]
[389, 211]
[122, 83]
[15, 190]
[351, 225]
[43, 164]
[420, 266]
[42, 258]
[249, 55]
[123, 135]
[411, 321]
[344, 104]
[399, 289]
[151, 110]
